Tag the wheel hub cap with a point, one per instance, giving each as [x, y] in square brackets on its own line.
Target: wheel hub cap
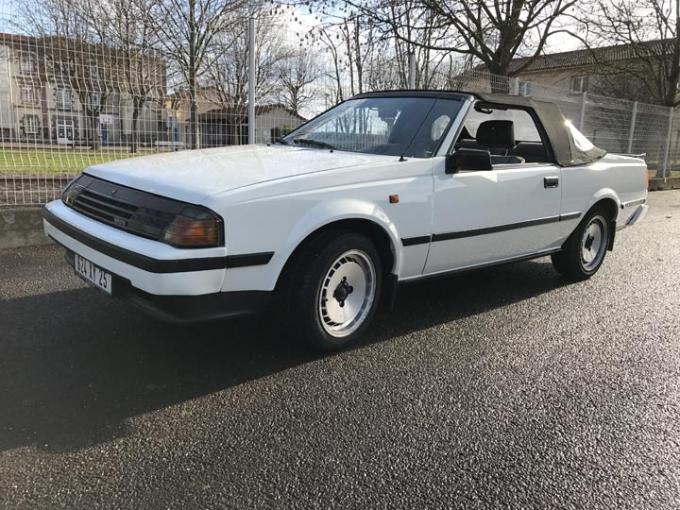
[347, 293]
[343, 290]
[594, 243]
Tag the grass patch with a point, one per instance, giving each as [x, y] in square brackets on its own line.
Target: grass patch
[43, 161]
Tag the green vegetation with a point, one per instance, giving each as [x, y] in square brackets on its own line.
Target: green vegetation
[57, 161]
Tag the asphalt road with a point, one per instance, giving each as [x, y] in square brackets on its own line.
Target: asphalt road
[503, 388]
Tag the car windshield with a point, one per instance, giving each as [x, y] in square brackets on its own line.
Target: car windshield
[391, 126]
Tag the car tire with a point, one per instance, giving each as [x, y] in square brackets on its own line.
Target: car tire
[331, 291]
[585, 249]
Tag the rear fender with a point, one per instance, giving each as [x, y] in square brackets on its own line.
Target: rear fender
[607, 194]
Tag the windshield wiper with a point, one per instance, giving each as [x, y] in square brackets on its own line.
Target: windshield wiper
[313, 143]
[281, 140]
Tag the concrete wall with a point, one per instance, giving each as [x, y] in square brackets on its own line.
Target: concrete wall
[21, 227]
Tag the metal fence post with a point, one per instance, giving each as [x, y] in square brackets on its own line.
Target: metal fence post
[514, 86]
[633, 118]
[411, 70]
[582, 119]
[251, 80]
[668, 143]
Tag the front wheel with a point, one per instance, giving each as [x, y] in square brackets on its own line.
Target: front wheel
[333, 290]
[583, 253]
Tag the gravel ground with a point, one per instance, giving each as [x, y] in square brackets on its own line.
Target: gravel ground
[502, 388]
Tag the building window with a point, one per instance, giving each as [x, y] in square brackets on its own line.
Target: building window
[64, 99]
[27, 63]
[28, 95]
[94, 100]
[579, 84]
[524, 88]
[31, 124]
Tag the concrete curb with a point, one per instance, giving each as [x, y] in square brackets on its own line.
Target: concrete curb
[21, 227]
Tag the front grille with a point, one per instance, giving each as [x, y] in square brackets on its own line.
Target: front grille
[128, 209]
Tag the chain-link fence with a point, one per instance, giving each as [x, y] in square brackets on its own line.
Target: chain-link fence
[67, 103]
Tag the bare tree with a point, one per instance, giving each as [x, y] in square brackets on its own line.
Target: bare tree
[420, 35]
[75, 58]
[226, 73]
[359, 57]
[296, 74]
[187, 32]
[328, 40]
[493, 32]
[647, 64]
[123, 25]
[98, 51]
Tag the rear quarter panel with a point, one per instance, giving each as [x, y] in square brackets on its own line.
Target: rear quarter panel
[620, 178]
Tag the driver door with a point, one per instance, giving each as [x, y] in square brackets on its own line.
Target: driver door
[491, 215]
[486, 216]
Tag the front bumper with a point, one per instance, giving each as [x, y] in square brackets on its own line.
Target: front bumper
[171, 284]
[181, 309]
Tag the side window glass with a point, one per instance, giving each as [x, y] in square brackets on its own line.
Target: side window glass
[524, 126]
[434, 128]
[509, 134]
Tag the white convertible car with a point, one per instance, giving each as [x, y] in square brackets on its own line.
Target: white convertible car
[384, 188]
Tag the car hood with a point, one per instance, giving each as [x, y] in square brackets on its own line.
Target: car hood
[195, 174]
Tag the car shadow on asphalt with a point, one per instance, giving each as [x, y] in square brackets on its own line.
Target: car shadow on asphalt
[75, 365]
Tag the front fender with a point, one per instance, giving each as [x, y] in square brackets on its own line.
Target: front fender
[332, 211]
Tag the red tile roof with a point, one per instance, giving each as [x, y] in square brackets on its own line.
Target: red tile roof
[587, 57]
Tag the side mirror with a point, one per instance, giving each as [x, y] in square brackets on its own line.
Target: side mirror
[468, 159]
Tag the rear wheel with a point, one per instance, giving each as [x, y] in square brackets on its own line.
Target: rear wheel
[585, 250]
[332, 290]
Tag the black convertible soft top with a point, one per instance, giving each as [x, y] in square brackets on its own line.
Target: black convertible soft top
[561, 139]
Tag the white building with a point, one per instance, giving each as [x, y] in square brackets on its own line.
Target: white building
[56, 91]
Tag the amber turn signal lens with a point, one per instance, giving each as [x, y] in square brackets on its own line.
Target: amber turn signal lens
[185, 232]
[647, 176]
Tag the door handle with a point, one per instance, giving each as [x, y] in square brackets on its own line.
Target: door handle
[551, 182]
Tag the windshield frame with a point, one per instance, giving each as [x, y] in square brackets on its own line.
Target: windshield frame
[443, 142]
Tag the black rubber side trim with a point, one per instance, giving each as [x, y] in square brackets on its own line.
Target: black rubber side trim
[570, 216]
[249, 259]
[412, 241]
[446, 236]
[155, 265]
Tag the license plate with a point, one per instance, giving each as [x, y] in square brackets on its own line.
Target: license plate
[92, 274]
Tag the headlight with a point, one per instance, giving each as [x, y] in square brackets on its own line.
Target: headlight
[194, 227]
[71, 191]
